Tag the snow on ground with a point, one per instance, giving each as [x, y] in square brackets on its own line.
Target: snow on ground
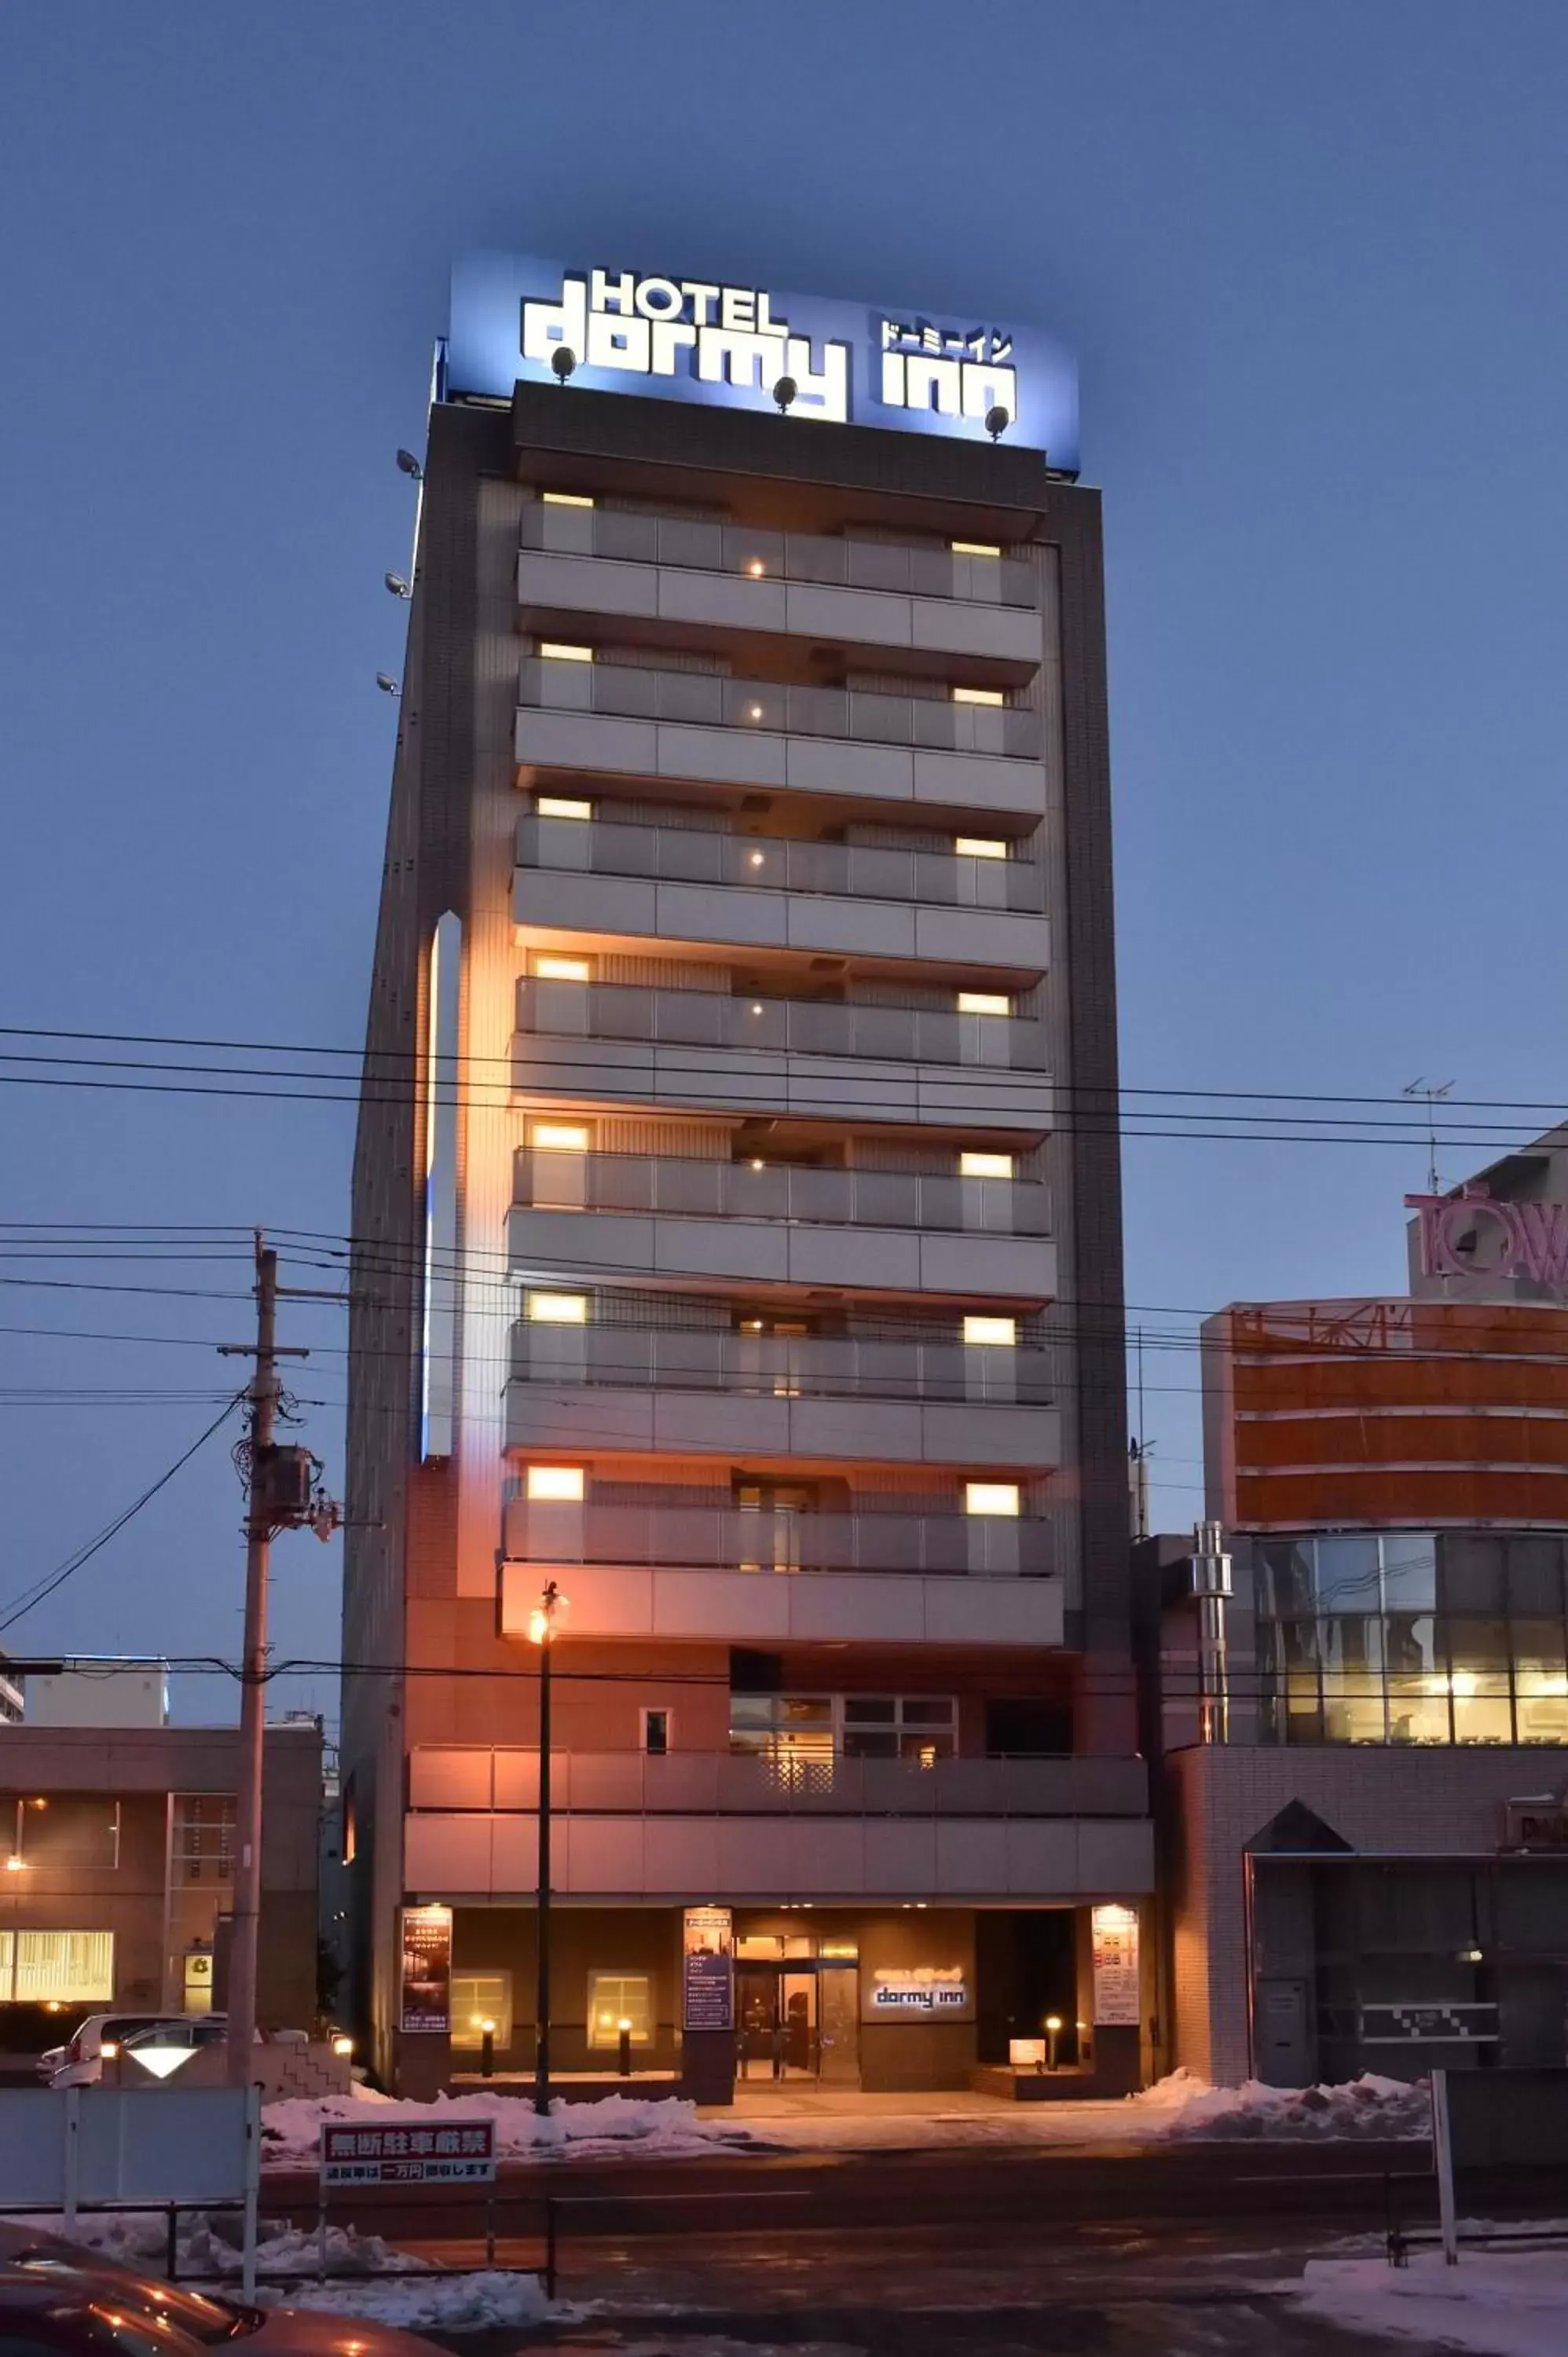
[1493, 2304]
[291, 2132]
[1178, 2109]
[456, 2303]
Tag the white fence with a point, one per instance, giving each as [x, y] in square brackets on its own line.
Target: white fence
[74, 2149]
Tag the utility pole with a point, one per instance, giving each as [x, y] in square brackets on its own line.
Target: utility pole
[252, 1688]
[541, 1631]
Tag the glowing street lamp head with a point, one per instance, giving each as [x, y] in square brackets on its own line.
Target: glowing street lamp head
[551, 1607]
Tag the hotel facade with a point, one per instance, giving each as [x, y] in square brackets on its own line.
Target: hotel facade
[738, 1282]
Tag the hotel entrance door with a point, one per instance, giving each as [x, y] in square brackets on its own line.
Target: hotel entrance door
[798, 2019]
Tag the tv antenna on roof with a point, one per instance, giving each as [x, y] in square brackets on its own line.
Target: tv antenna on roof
[1433, 1093]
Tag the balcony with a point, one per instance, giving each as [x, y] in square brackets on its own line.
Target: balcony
[603, 878]
[755, 1828]
[779, 1027]
[710, 726]
[662, 1215]
[592, 1389]
[743, 551]
[754, 1539]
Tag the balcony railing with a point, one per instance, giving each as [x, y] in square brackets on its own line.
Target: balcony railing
[709, 1783]
[807, 1027]
[858, 871]
[693, 543]
[778, 1539]
[713, 700]
[778, 1366]
[679, 1186]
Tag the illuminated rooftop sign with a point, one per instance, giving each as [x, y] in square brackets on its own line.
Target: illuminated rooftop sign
[743, 347]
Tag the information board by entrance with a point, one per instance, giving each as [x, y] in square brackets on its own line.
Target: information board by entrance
[708, 1968]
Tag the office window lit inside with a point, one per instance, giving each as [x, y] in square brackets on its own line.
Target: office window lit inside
[558, 1137]
[615, 1999]
[985, 1166]
[555, 1485]
[545, 966]
[980, 846]
[990, 1333]
[560, 651]
[991, 1497]
[984, 1002]
[562, 806]
[960, 694]
[558, 1309]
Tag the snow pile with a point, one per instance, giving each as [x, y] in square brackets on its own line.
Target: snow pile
[291, 2132]
[1182, 2108]
[455, 2303]
[207, 2251]
[1493, 2304]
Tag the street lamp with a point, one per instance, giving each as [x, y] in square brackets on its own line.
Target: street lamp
[540, 1632]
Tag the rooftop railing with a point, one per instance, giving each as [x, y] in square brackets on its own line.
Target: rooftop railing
[714, 700]
[837, 561]
[859, 871]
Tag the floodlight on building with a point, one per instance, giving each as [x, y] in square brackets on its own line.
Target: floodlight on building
[410, 465]
[397, 585]
[563, 363]
[388, 686]
[784, 393]
[997, 420]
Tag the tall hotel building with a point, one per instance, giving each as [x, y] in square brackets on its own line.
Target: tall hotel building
[745, 1258]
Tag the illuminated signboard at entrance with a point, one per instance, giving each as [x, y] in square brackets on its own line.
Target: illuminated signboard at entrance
[927, 1988]
[514, 316]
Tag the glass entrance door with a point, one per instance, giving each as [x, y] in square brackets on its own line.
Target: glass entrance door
[777, 2006]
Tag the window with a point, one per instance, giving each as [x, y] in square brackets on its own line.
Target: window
[976, 695]
[478, 1997]
[76, 1834]
[57, 1967]
[920, 1729]
[614, 1997]
[568, 499]
[991, 1497]
[986, 1165]
[559, 1485]
[801, 1735]
[558, 1309]
[979, 846]
[545, 966]
[974, 547]
[202, 1851]
[558, 1137]
[984, 1002]
[558, 651]
[990, 1333]
[559, 806]
[656, 1733]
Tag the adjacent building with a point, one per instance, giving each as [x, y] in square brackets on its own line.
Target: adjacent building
[1365, 1681]
[738, 1290]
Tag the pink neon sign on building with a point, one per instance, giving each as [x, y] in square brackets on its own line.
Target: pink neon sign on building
[1528, 1239]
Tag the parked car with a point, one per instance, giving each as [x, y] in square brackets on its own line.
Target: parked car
[58, 2295]
[80, 2062]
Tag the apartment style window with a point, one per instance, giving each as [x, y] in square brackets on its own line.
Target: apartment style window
[985, 1166]
[990, 1333]
[984, 1002]
[478, 1997]
[567, 499]
[991, 1497]
[614, 1997]
[201, 1845]
[558, 1309]
[656, 1733]
[980, 846]
[555, 1485]
[562, 651]
[978, 695]
[560, 1137]
[1414, 1637]
[920, 1729]
[57, 1967]
[801, 1735]
[47, 1835]
[562, 806]
[548, 965]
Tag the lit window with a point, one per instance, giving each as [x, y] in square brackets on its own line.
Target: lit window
[559, 1137]
[576, 500]
[559, 1485]
[558, 651]
[991, 1497]
[975, 548]
[980, 846]
[984, 1002]
[986, 1165]
[557, 806]
[547, 967]
[57, 1967]
[558, 1309]
[960, 694]
[990, 1333]
[478, 1997]
[618, 2000]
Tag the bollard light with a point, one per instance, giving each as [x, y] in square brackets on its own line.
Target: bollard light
[1053, 2033]
[486, 2050]
[342, 2047]
[624, 2025]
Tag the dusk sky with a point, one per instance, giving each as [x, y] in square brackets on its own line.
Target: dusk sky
[1309, 255]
